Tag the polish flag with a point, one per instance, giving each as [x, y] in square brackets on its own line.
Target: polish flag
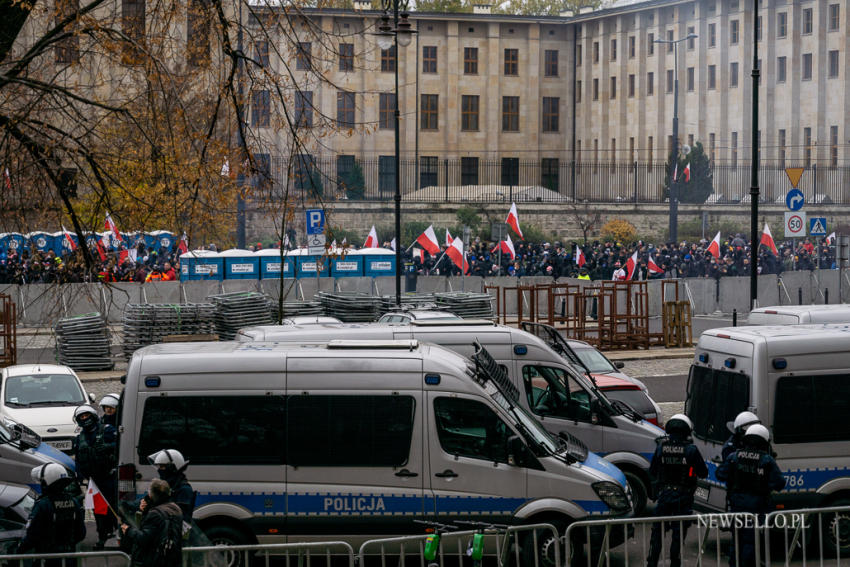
[372, 239]
[94, 500]
[71, 244]
[110, 226]
[513, 220]
[428, 241]
[123, 255]
[506, 246]
[830, 238]
[653, 267]
[183, 245]
[714, 247]
[767, 240]
[455, 252]
[579, 257]
[100, 250]
[419, 253]
[687, 172]
[631, 266]
[448, 238]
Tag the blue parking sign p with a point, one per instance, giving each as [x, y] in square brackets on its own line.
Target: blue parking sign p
[315, 221]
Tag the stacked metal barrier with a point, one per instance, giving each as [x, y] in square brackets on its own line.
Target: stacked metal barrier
[350, 307]
[295, 309]
[468, 305]
[149, 323]
[82, 342]
[240, 309]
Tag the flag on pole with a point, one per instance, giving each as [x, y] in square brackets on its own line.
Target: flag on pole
[830, 238]
[687, 172]
[183, 245]
[579, 257]
[653, 267]
[714, 247]
[94, 500]
[513, 220]
[419, 253]
[631, 266]
[110, 226]
[455, 252]
[71, 244]
[767, 240]
[448, 238]
[101, 251]
[506, 246]
[428, 241]
[372, 239]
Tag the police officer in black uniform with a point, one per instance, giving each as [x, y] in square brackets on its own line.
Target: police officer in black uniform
[675, 468]
[171, 467]
[738, 427]
[57, 521]
[94, 450]
[750, 474]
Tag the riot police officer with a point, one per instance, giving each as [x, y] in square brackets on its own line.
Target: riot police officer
[171, 467]
[738, 427]
[109, 406]
[750, 474]
[675, 468]
[57, 521]
[94, 450]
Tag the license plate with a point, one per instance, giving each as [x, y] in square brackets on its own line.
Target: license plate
[701, 493]
[61, 444]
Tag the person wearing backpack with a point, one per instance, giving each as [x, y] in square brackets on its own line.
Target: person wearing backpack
[158, 541]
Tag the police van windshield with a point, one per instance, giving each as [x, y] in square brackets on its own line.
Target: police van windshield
[714, 398]
[528, 425]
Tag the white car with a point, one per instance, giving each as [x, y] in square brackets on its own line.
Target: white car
[43, 397]
[405, 317]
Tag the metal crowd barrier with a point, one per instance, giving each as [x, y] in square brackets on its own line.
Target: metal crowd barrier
[821, 531]
[76, 559]
[303, 554]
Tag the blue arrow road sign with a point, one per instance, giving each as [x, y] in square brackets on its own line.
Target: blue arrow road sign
[315, 221]
[794, 200]
[817, 226]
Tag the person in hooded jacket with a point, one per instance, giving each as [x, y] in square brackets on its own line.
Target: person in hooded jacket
[94, 450]
[158, 541]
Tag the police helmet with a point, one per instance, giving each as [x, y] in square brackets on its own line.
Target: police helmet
[110, 400]
[168, 457]
[49, 473]
[679, 423]
[83, 409]
[758, 431]
[743, 421]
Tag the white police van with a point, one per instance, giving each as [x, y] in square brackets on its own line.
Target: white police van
[796, 379]
[351, 440]
[799, 314]
[561, 398]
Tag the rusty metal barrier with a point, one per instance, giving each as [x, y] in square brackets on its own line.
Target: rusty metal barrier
[8, 332]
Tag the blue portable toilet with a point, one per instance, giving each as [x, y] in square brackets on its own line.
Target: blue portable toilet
[272, 266]
[162, 239]
[92, 238]
[240, 265]
[40, 240]
[201, 265]
[12, 242]
[61, 245]
[346, 265]
[150, 240]
[305, 264]
[377, 261]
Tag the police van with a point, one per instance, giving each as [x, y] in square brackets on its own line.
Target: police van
[351, 440]
[799, 314]
[560, 398]
[796, 379]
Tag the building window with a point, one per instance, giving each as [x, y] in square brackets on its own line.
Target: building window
[595, 154]
[712, 77]
[345, 109]
[198, 34]
[650, 83]
[551, 113]
[595, 89]
[510, 171]
[510, 114]
[428, 171]
[613, 50]
[631, 47]
[807, 67]
[386, 111]
[733, 75]
[346, 57]
[650, 44]
[550, 63]
[469, 170]
[833, 64]
[758, 28]
[712, 147]
[596, 52]
[261, 109]
[429, 59]
[631, 86]
[344, 168]
[807, 21]
[691, 140]
[691, 41]
[511, 62]
[304, 109]
[712, 35]
[734, 150]
[549, 173]
[690, 79]
[578, 55]
[386, 174]
[613, 151]
[833, 146]
[303, 56]
[669, 81]
[807, 146]
[68, 49]
[388, 60]
[469, 113]
[734, 32]
[631, 149]
[670, 40]
[782, 148]
[613, 92]
[781, 73]
[669, 144]
[781, 24]
[649, 151]
[578, 91]
[733, 5]
[133, 26]
[834, 22]
[261, 53]
[470, 60]
[429, 111]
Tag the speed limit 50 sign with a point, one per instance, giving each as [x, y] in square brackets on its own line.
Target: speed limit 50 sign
[795, 224]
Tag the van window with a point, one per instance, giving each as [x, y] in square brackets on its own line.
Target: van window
[468, 428]
[350, 431]
[715, 397]
[216, 430]
[810, 409]
[551, 391]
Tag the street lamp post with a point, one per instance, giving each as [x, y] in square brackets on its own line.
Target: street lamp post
[674, 151]
[397, 35]
[754, 180]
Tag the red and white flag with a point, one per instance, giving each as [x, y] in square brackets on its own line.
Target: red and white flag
[449, 238]
[579, 257]
[110, 226]
[455, 252]
[8, 179]
[183, 245]
[506, 246]
[428, 241]
[714, 247]
[419, 253]
[830, 238]
[513, 220]
[687, 172]
[372, 239]
[767, 240]
[71, 244]
[631, 266]
[94, 500]
[653, 267]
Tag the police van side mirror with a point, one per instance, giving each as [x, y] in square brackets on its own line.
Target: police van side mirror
[91, 397]
[516, 451]
[619, 364]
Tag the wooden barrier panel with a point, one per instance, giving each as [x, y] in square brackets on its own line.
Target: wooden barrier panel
[8, 332]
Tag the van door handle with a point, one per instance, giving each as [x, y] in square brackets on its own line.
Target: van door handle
[406, 473]
[448, 473]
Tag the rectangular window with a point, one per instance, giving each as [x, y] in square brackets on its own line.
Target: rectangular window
[386, 174]
[781, 24]
[613, 151]
[595, 89]
[691, 41]
[469, 171]
[428, 171]
[613, 50]
[808, 20]
[807, 146]
[596, 52]
[345, 109]
[650, 83]
[734, 155]
[631, 86]
[578, 91]
[551, 113]
[807, 67]
[388, 60]
[386, 111]
[304, 56]
[133, 26]
[261, 109]
[712, 35]
[346, 56]
[669, 81]
[691, 79]
[470, 429]
[811, 409]
[198, 34]
[550, 63]
[595, 154]
[782, 148]
[349, 431]
[344, 170]
[68, 49]
[712, 77]
[833, 64]
[670, 39]
[734, 32]
[470, 60]
[712, 147]
[781, 73]
[733, 75]
[510, 171]
[834, 22]
[833, 146]
[510, 114]
[733, 5]
[469, 113]
[549, 173]
[303, 173]
[511, 62]
[632, 47]
[578, 55]
[429, 59]
[304, 109]
[715, 397]
[649, 151]
[261, 53]
[631, 150]
[429, 113]
[650, 44]
[613, 90]
[197, 425]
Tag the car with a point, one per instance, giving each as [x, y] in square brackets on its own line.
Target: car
[310, 320]
[16, 503]
[417, 315]
[43, 397]
[621, 390]
[599, 364]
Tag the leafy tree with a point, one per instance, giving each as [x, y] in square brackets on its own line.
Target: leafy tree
[700, 186]
[354, 183]
[468, 216]
[619, 230]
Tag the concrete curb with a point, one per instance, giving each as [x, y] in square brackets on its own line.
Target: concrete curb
[654, 354]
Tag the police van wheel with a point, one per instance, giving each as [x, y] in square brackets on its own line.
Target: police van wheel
[638, 489]
[546, 544]
[224, 535]
[837, 536]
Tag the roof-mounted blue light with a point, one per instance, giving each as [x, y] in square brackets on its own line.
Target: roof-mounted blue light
[729, 363]
[152, 381]
[520, 349]
[703, 357]
[780, 363]
[432, 379]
